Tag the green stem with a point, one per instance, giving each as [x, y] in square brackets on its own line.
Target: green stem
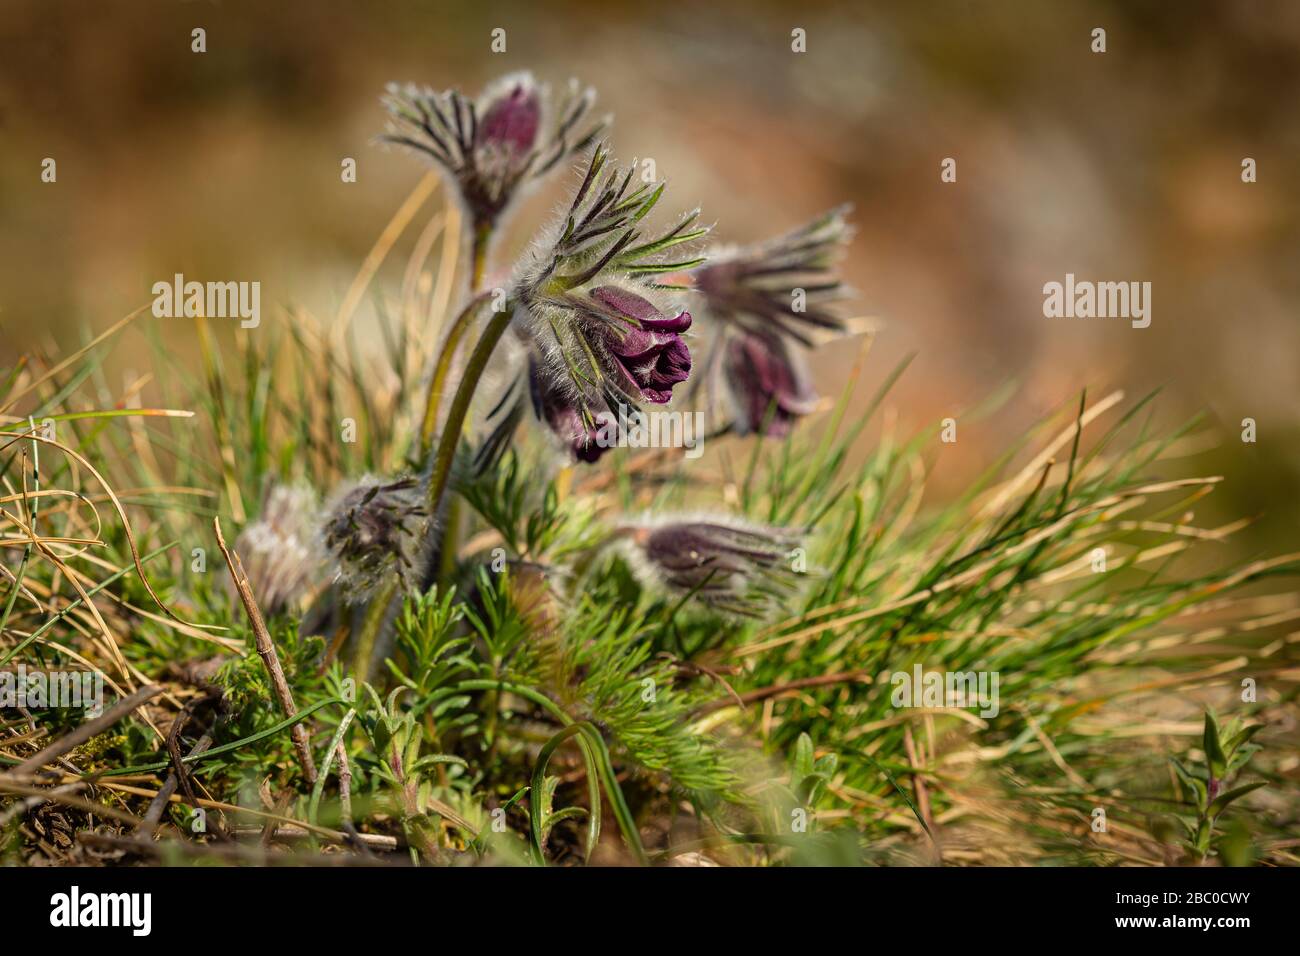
[536, 795]
[383, 598]
[459, 326]
[450, 542]
[327, 763]
[593, 796]
[482, 236]
[368, 636]
[478, 360]
[380, 603]
[442, 369]
[451, 525]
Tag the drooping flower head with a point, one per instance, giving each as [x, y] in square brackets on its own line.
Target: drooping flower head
[514, 133]
[728, 565]
[766, 382]
[377, 528]
[600, 332]
[766, 301]
[277, 549]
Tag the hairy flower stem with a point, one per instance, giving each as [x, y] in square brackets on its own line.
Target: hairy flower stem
[442, 369]
[451, 520]
[370, 625]
[383, 598]
[478, 255]
[438, 480]
[459, 326]
[478, 360]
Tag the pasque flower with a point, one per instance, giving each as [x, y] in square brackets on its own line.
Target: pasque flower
[726, 564]
[515, 132]
[765, 301]
[627, 351]
[766, 382]
[374, 529]
[648, 353]
[600, 333]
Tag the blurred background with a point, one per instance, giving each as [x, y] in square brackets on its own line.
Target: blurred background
[1117, 166]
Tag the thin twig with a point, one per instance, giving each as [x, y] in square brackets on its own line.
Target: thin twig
[345, 787]
[174, 745]
[180, 774]
[266, 650]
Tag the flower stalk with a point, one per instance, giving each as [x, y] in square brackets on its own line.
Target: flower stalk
[384, 596]
[442, 369]
[478, 360]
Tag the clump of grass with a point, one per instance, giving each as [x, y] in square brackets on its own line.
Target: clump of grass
[533, 695]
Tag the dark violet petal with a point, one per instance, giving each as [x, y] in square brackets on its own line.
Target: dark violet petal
[626, 303]
[766, 384]
[674, 364]
[561, 415]
[512, 120]
[678, 323]
[589, 452]
[651, 361]
[632, 345]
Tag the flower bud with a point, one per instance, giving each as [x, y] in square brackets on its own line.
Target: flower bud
[494, 146]
[780, 286]
[375, 529]
[511, 119]
[721, 562]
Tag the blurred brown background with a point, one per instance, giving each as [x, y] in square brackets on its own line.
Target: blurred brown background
[1119, 166]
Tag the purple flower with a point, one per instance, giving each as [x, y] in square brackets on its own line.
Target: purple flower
[514, 133]
[768, 388]
[510, 121]
[561, 415]
[619, 348]
[648, 350]
[764, 299]
[725, 564]
[601, 336]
